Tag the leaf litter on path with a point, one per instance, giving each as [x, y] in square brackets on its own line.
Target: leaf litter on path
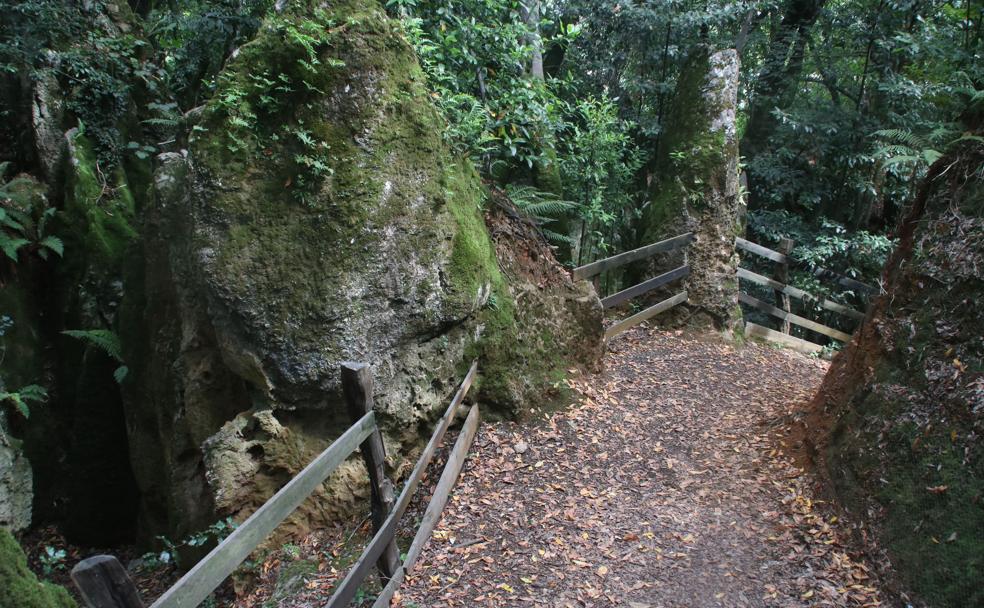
[664, 486]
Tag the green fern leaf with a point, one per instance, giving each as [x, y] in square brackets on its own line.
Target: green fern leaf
[10, 246]
[105, 339]
[120, 374]
[54, 244]
[557, 238]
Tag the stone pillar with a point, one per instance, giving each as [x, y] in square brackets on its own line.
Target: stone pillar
[696, 189]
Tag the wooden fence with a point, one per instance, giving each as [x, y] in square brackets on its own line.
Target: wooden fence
[778, 283]
[642, 253]
[103, 582]
[783, 291]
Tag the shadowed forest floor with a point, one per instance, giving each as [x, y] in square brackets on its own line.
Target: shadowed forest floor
[667, 485]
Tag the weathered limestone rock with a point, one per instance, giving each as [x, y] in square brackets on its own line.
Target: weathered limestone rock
[698, 186]
[904, 400]
[16, 487]
[47, 123]
[314, 220]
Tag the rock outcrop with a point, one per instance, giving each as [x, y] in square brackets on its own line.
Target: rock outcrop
[16, 482]
[905, 399]
[319, 217]
[698, 158]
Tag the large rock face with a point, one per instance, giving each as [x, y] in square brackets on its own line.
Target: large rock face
[16, 484]
[906, 396]
[698, 188]
[318, 217]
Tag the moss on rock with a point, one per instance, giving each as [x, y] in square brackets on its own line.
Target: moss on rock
[904, 451]
[319, 217]
[19, 587]
[99, 215]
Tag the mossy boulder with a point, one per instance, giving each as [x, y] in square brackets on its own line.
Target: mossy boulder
[318, 217]
[697, 186]
[19, 587]
[905, 397]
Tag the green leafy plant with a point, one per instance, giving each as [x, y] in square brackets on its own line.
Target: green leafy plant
[544, 208]
[169, 553]
[292, 550]
[19, 399]
[24, 216]
[107, 341]
[52, 560]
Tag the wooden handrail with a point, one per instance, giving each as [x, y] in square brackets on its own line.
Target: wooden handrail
[820, 328]
[650, 312]
[819, 272]
[104, 583]
[645, 287]
[208, 574]
[806, 296]
[758, 331]
[346, 590]
[438, 500]
[590, 270]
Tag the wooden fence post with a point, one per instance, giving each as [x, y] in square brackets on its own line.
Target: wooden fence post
[781, 274]
[104, 583]
[357, 385]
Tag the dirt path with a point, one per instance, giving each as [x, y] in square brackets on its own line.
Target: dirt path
[662, 488]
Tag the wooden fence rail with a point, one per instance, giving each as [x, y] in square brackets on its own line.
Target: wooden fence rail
[649, 313]
[804, 346]
[826, 304]
[646, 286]
[589, 270]
[642, 253]
[822, 273]
[103, 582]
[767, 308]
[784, 291]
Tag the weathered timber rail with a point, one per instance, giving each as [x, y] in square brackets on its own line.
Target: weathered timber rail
[784, 291]
[819, 272]
[104, 583]
[642, 253]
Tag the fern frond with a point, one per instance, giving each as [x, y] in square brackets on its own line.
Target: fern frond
[549, 209]
[161, 122]
[11, 245]
[31, 392]
[19, 404]
[54, 244]
[105, 339]
[557, 238]
[902, 136]
[543, 206]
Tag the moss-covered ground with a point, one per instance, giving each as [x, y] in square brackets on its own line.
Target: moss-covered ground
[19, 587]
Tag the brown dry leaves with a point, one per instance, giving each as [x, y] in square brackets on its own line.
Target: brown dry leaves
[664, 486]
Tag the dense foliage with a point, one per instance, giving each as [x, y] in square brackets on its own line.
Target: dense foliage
[844, 104]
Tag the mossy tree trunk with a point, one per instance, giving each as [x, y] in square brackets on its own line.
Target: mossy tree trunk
[697, 186]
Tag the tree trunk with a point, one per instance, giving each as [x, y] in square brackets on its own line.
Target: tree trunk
[777, 80]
